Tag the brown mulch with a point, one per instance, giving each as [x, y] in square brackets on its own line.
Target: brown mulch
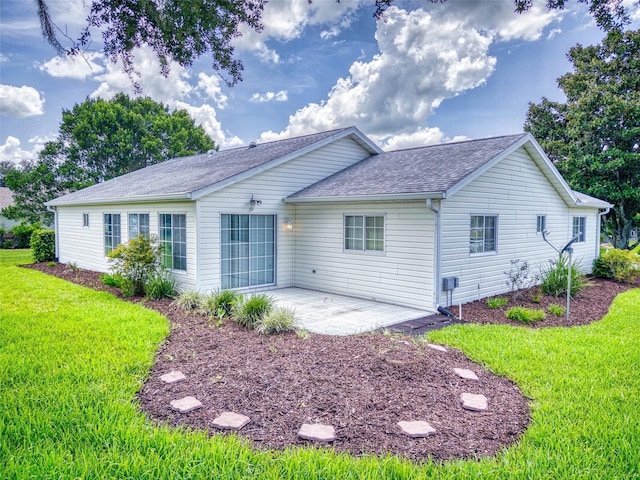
[362, 385]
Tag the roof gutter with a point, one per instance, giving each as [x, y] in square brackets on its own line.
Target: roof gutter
[113, 201]
[392, 197]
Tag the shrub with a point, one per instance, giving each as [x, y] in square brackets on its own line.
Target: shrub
[525, 315]
[220, 303]
[520, 277]
[249, 311]
[43, 244]
[555, 309]
[22, 234]
[160, 285]
[136, 262]
[111, 280]
[536, 295]
[620, 265]
[189, 300]
[496, 302]
[279, 319]
[554, 277]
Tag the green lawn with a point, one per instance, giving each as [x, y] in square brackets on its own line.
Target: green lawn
[71, 360]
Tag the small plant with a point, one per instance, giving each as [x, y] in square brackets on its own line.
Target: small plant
[43, 244]
[536, 295]
[554, 278]
[303, 334]
[520, 277]
[111, 280]
[279, 319]
[556, 310]
[160, 285]
[525, 315]
[73, 266]
[189, 300]
[249, 311]
[497, 302]
[51, 264]
[220, 303]
[620, 265]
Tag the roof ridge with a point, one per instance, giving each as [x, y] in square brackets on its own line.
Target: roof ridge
[471, 140]
[332, 131]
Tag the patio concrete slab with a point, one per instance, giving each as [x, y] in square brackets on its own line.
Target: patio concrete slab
[332, 314]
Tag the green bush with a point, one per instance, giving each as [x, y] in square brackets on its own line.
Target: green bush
[22, 234]
[525, 315]
[43, 244]
[554, 277]
[160, 285]
[279, 319]
[189, 300]
[249, 311]
[620, 265]
[111, 280]
[496, 302]
[136, 262]
[220, 303]
[556, 310]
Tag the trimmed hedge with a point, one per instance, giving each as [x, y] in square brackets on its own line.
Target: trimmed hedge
[43, 244]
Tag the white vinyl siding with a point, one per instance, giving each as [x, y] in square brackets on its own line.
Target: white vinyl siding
[364, 233]
[172, 231]
[112, 233]
[138, 225]
[579, 228]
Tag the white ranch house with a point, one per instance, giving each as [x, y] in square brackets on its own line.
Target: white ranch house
[332, 212]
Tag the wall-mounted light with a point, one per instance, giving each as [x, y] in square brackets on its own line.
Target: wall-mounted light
[288, 224]
[253, 202]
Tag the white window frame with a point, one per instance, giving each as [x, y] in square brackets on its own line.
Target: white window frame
[361, 233]
[111, 231]
[85, 220]
[484, 250]
[138, 214]
[541, 223]
[579, 227]
[172, 242]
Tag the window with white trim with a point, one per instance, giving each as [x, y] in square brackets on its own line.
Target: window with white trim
[138, 225]
[364, 233]
[484, 234]
[85, 220]
[112, 236]
[579, 228]
[172, 229]
[541, 223]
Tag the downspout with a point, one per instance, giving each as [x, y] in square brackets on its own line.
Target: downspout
[437, 263]
[55, 229]
[600, 215]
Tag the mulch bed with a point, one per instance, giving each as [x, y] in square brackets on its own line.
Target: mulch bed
[362, 385]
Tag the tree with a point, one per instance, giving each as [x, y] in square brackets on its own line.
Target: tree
[184, 30]
[99, 140]
[6, 166]
[594, 137]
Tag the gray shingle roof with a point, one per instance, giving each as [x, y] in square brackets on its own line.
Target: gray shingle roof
[6, 197]
[183, 176]
[418, 170]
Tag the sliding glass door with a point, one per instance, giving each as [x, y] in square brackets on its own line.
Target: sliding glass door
[247, 250]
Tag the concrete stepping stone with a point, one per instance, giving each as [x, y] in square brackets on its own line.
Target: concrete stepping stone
[230, 421]
[440, 348]
[417, 428]
[317, 432]
[186, 404]
[474, 402]
[466, 373]
[174, 376]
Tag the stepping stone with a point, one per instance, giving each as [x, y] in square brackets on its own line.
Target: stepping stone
[231, 421]
[417, 428]
[186, 404]
[173, 376]
[317, 432]
[474, 402]
[440, 348]
[466, 373]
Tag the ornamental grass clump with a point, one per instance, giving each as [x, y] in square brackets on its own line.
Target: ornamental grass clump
[160, 285]
[249, 311]
[556, 310]
[219, 303]
[525, 315]
[496, 302]
[554, 277]
[278, 320]
[188, 300]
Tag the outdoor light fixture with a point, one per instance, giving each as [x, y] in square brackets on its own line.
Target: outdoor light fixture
[253, 202]
[288, 224]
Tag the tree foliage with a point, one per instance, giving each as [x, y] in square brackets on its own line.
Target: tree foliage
[99, 140]
[594, 137]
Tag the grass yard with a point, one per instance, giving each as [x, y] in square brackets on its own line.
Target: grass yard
[72, 359]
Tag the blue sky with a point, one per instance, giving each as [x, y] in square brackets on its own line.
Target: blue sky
[429, 73]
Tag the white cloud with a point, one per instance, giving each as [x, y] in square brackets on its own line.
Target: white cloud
[280, 96]
[3, 58]
[205, 115]
[77, 67]
[20, 102]
[420, 137]
[12, 151]
[210, 85]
